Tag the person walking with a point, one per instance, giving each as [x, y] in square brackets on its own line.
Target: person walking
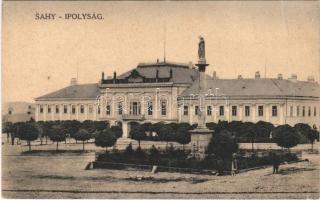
[234, 165]
[275, 163]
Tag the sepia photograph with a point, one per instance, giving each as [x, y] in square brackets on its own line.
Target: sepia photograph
[160, 99]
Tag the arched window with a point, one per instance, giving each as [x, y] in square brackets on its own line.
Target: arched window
[120, 108]
[150, 107]
[163, 107]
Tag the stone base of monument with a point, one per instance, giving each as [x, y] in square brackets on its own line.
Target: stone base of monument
[200, 138]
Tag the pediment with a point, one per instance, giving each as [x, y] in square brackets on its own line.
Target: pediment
[135, 77]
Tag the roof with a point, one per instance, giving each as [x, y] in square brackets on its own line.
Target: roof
[181, 73]
[258, 87]
[81, 91]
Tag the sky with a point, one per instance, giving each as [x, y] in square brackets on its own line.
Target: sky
[242, 37]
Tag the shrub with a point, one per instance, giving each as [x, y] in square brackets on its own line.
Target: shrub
[29, 132]
[117, 130]
[57, 135]
[105, 138]
[82, 135]
[286, 136]
[137, 133]
[222, 145]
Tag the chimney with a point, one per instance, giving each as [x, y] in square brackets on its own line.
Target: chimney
[214, 75]
[280, 77]
[102, 76]
[293, 77]
[74, 81]
[240, 76]
[257, 75]
[114, 76]
[311, 79]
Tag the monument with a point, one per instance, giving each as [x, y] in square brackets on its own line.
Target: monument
[201, 136]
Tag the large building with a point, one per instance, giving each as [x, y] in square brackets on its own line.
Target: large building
[18, 112]
[168, 92]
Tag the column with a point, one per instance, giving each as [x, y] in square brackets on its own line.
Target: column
[37, 110]
[60, 111]
[241, 106]
[156, 110]
[45, 109]
[227, 112]
[254, 112]
[142, 104]
[113, 105]
[95, 110]
[102, 106]
[53, 110]
[215, 110]
[77, 111]
[281, 113]
[86, 109]
[125, 105]
[170, 105]
[125, 129]
[191, 113]
[174, 101]
[69, 110]
[180, 113]
[267, 112]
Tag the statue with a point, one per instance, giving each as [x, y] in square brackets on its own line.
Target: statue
[201, 50]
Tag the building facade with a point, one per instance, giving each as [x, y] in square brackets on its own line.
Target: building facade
[168, 92]
[18, 112]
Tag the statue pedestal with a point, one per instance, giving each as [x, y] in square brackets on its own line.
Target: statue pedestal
[200, 138]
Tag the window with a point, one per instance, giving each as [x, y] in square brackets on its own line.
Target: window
[247, 111]
[163, 107]
[196, 110]
[29, 113]
[65, 109]
[73, 109]
[185, 110]
[298, 111]
[41, 109]
[135, 108]
[49, 109]
[9, 112]
[303, 111]
[81, 109]
[274, 111]
[150, 108]
[29, 106]
[90, 109]
[120, 108]
[260, 111]
[221, 110]
[291, 111]
[234, 110]
[98, 109]
[57, 109]
[209, 110]
[108, 109]
[309, 111]
[315, 111]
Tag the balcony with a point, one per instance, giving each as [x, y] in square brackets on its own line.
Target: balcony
[133, 117]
